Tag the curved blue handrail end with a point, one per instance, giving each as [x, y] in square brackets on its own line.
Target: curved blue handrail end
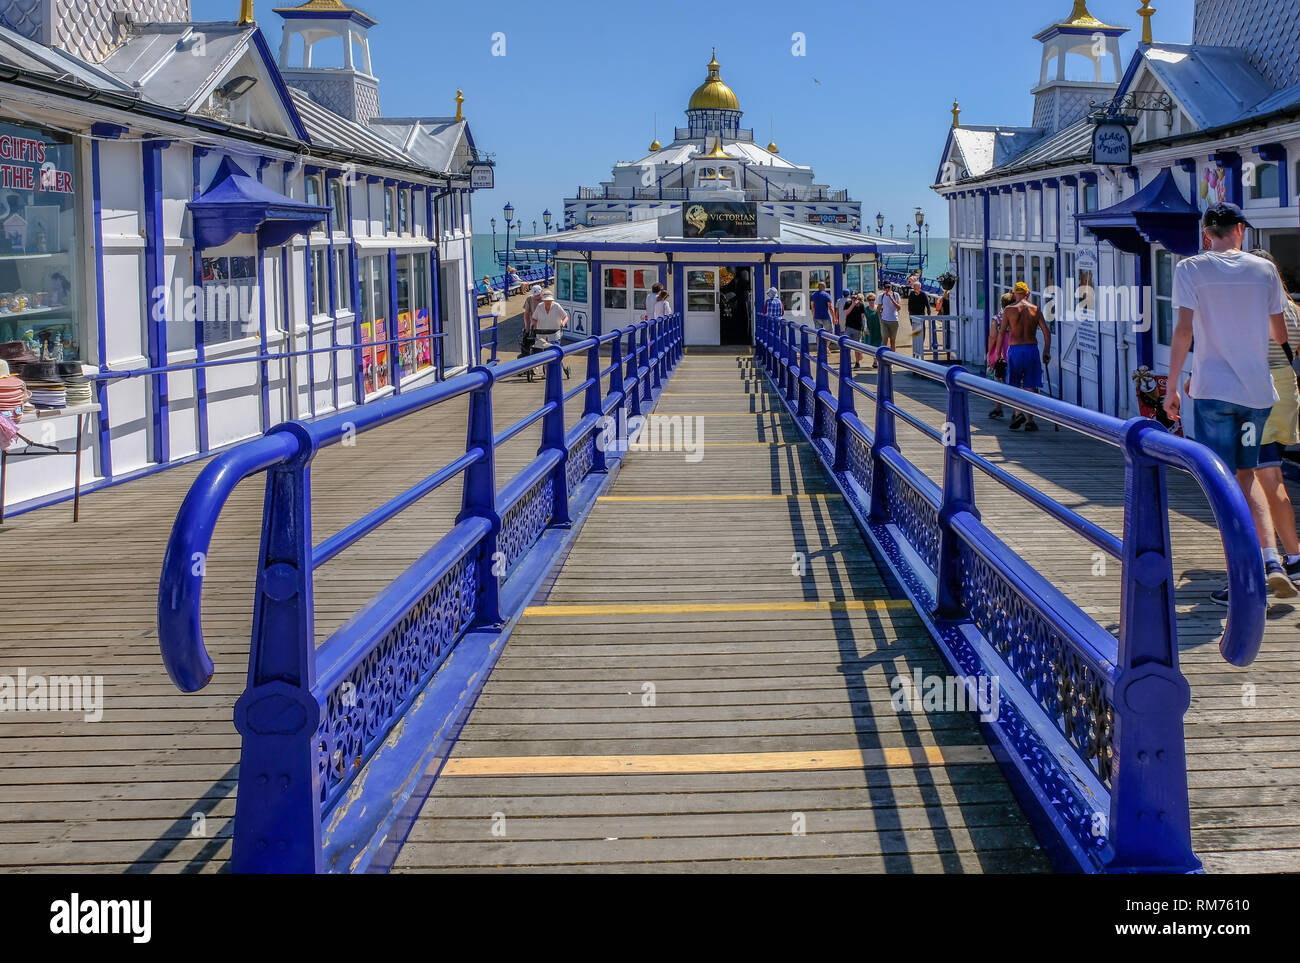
[1243, 632]
[180, 588]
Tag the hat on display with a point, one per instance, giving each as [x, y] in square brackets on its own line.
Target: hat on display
[17, 352]
[41, 371]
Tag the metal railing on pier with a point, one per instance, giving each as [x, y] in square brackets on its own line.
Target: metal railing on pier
[311, 718]
[1092, 724]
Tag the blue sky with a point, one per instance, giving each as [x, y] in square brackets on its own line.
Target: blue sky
[868, 106]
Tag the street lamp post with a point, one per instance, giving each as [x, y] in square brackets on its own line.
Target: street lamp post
[546, 223]
[920, 223]
[494, 237]
[880, 224]
[509, 212]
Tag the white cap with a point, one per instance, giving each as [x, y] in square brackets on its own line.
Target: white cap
[535, 289]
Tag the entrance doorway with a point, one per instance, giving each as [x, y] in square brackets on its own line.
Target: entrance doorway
[735, 305]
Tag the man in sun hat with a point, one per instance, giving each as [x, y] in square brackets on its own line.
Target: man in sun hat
[1232, 303]
[1022, 321]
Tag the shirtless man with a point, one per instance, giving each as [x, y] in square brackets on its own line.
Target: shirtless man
[1023, 320]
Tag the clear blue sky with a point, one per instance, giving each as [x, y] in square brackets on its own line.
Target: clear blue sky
[868, 106]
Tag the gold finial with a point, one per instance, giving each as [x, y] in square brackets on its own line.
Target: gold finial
[1146, 13]
[717, 151]
[772, 148]
[956, 112]
[246, 13]
[655, 145]
[1080, 16]
[460, 99]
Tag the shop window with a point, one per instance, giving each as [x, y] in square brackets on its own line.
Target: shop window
[414, 331]
[320, 281]
[791, 287]
[374, 328]
[1089, 196]
[39, 245]
[403, 212]
[339, 204]
[642, 279]
[1264, 183]
[821, 276]
[343, 279]
[230, 297]
[314, 192]
[1164, 297]
[853, 278]
[616, 289]
[701, 291]
[563, 281]
[390, 210]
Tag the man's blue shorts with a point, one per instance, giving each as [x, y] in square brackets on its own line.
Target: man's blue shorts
[1024, 370]
[1233, 432]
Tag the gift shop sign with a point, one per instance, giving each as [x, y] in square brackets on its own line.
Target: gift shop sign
[23, 167]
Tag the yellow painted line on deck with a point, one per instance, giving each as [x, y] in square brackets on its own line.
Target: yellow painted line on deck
[714, 498]
[711, 762]
[705, 608]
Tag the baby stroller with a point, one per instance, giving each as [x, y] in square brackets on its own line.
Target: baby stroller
[535, 341]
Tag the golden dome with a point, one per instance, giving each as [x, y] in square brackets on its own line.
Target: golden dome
[771, 148]
[655, 145]
[713, 94]
[1080, 17]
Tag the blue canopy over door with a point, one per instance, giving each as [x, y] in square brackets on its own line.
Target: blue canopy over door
[236, 203]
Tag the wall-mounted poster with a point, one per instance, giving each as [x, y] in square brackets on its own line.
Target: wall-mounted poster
[579, 281]
[1085, 267]
[424, 341]
[405, 343]
[375, 359]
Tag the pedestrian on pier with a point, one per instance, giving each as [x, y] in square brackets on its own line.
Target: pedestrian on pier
[872, 315]
[773, 308]
[918, 306]
[890, 304]
[663, 306]
[824, 316]
[651, 301]
[548, 318]
[1023, 320]
[1231, 303]
[855, 322]
[999, 342]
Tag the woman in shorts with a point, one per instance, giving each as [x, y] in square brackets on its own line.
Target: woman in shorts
[997, 348]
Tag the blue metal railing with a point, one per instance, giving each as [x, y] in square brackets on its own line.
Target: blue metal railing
[494, 334]
[1093, 725]
[312, 718]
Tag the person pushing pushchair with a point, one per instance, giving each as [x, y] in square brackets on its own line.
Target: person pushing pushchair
[541, 324]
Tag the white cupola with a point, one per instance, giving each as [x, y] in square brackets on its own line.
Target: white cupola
[1081, 64]
[325, 53]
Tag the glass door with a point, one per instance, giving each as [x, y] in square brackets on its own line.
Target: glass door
[701, 319]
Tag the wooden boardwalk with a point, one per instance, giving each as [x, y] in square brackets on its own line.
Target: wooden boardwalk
[686, 699]
[775, 709]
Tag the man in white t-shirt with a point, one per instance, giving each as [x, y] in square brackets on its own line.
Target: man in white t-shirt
[1231, 303]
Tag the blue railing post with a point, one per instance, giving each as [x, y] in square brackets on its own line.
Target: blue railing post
[1150, 826]
[479, 497]
[885, 436]
[278, 808]
[643, 362]
[592, 405]
[632, 384]
[791, 364]
[804, 373]
[847, 406]
[553, 437]
[619, 411]
[958, 497]
[657, 355]
[823, 384]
